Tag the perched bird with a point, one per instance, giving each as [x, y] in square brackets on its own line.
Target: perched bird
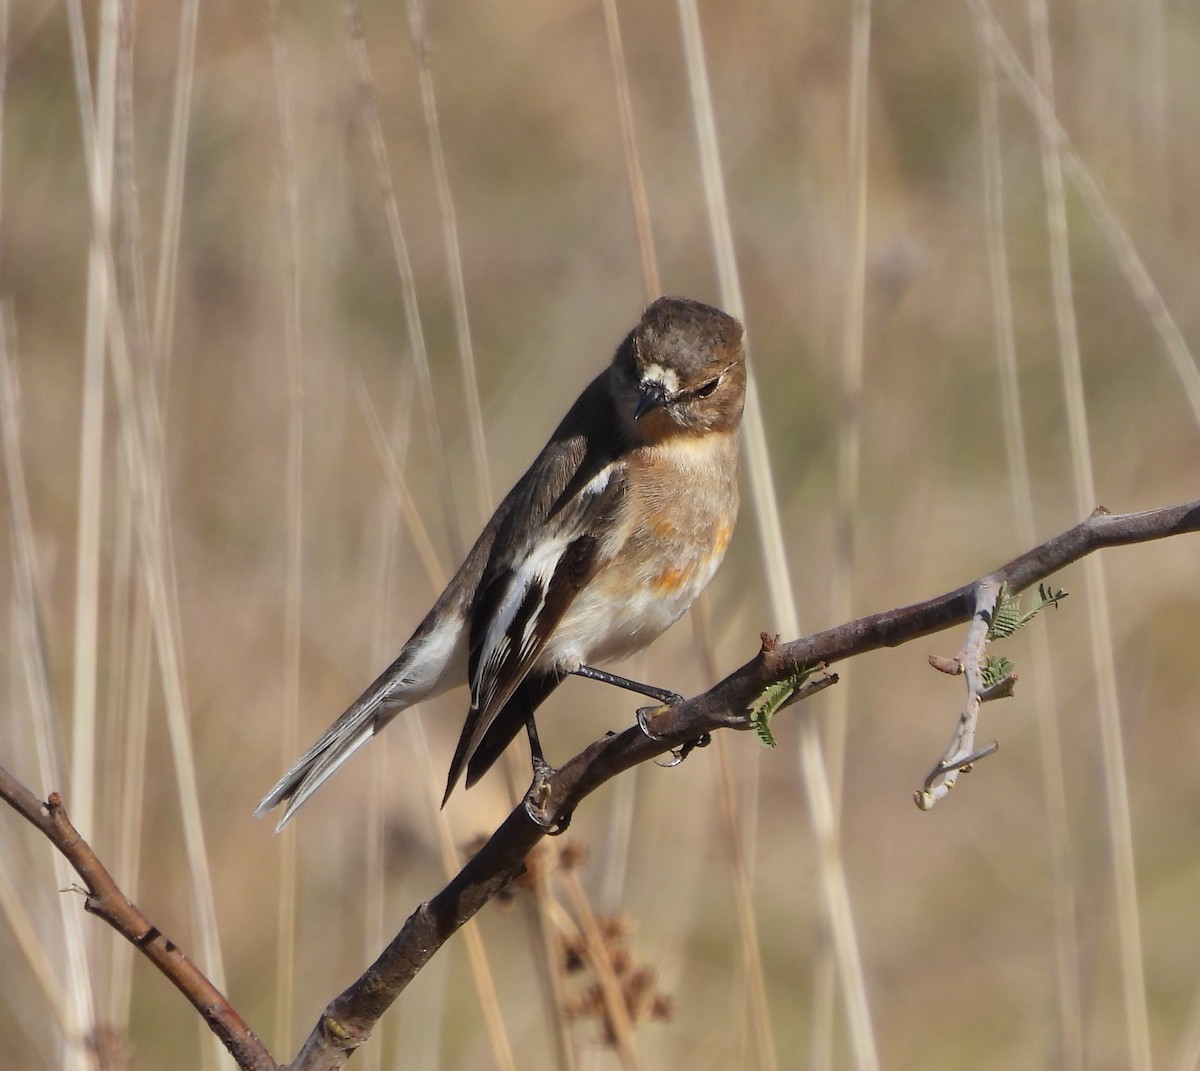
[602, 545]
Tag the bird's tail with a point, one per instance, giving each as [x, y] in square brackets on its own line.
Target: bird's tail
[432, 660]
[335, 746]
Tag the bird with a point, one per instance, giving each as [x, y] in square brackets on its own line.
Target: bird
[604, 543]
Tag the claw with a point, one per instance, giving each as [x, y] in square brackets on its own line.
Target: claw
[678, 754]
[537, 799]
[644, 716]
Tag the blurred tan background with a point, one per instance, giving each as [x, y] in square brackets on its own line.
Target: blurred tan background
[960, 925]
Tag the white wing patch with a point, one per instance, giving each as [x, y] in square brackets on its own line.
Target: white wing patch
[532, 574]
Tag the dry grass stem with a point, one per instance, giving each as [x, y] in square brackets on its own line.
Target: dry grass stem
[290, 250]
[369, 106]
[1100, 623]
[635, 176]
[454, 266]
[771, 534]
[1066, 937]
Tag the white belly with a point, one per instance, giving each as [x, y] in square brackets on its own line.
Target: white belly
[653, 574]
[602, 628]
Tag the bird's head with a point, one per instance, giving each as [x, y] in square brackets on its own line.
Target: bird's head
[683, 369]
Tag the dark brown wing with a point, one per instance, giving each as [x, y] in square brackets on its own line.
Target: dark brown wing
[548, 546]
[525, 604]
[508, 722]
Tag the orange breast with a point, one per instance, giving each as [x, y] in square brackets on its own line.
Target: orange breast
[672, 579]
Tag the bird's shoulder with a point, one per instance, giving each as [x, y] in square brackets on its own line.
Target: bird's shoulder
[568, 489]
[580, 467]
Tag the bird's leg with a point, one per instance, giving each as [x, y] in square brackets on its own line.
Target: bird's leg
[663, 695]
[541, 768]
[665, 699]
[539, 790]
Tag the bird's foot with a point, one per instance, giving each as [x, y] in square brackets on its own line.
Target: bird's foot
[537, 801]
[678, 754]
[646, 714]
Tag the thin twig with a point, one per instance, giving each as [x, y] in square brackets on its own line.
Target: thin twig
[961, 753]
[107, 901]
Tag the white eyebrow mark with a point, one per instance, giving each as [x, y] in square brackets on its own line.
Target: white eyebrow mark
[667, 377]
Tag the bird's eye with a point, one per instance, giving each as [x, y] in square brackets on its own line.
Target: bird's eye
[708, 388]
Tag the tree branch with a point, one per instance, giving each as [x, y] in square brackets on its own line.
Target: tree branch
[348, 1020]
[106, 900]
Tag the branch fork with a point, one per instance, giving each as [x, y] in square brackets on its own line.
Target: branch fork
[961, 754]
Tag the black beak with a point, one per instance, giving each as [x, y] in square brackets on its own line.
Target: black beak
[651, 395]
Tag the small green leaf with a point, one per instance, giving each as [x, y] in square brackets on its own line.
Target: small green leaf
[762, 729]
[1006, 618]
[1009, 617]
[772, 698]
[995, 669]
